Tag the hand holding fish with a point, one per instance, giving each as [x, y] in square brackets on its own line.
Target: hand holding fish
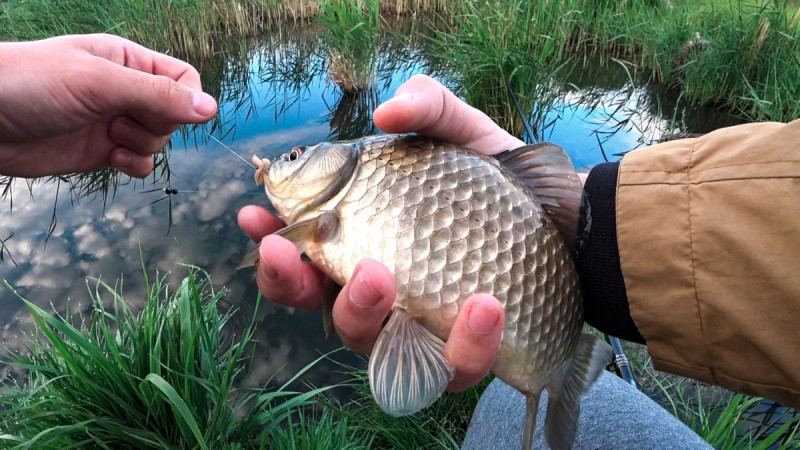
[423, 105]
[78, 103]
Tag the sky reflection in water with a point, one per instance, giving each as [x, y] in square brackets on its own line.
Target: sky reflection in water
[95, 239]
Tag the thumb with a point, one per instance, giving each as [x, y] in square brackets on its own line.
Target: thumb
[156, 100]
[427, 107]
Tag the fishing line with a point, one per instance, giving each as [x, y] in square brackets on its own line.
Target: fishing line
[230, 150]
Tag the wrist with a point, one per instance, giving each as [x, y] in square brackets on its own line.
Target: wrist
[605, 300]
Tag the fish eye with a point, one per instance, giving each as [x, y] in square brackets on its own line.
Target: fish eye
[295, 153]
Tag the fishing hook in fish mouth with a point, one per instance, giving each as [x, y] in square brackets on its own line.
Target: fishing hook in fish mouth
[262, 169]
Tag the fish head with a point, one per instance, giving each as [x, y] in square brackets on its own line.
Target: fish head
[307, 177]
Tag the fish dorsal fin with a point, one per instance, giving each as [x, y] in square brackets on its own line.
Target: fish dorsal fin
[407, 368]
[546, 169]
[591, 355]
[316, 229]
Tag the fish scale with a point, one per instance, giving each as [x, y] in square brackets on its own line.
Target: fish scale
[449, 222]
[498, 243]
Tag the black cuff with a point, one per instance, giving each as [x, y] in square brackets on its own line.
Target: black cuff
[604, 298]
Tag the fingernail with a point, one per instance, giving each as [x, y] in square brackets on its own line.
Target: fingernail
[482, 320]
[362, 294]
[203, 104]
[399, 98]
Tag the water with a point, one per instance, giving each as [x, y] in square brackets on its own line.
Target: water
[266, 107]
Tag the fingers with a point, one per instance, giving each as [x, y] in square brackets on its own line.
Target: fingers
[363, 305]
[280, 273]
[158, 102]
[129, 133]
[130, 54]
[425, 106]
[137, 145]
[160, 91]
[284, 278]
[257, 222]
[474, 340]
[131, 163]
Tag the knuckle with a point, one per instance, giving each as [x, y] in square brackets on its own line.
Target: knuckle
[166, 90]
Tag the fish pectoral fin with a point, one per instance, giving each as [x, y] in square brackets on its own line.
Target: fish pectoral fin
[407, 368]
[250, 259]
[316, 229]
[590, 357]
[547, 170]
[330, 290]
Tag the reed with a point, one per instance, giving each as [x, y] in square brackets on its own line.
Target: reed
[516, 45]
[192, 27]
[726, 420]
[747, 62]
[352, 36]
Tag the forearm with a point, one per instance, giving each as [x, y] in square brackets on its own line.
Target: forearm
[708, 244]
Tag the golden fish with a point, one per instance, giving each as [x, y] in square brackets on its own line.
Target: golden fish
[449, 222]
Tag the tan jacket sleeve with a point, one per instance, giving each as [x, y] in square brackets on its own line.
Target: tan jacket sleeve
[709, 243]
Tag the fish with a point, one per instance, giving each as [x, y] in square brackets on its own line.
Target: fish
[449, 222]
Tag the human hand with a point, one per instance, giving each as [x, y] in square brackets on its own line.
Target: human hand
[425, 106]
[78, 103]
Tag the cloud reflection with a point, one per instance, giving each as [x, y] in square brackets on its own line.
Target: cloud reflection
[96, 241]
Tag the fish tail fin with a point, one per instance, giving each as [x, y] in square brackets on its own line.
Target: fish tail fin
[563, 406]
[407, 368]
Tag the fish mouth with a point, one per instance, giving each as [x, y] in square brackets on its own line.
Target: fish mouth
[262, 169]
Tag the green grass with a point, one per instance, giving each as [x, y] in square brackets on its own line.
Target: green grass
[160, 378]
[726, 420]
[492, 47]
[750, 66]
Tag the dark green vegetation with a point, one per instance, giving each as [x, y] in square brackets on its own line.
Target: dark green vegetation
[163, 377]
[740, 55]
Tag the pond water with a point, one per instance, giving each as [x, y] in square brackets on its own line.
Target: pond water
[267, 107]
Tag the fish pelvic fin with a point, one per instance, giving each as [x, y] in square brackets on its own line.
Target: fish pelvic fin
[563, 406]
[547, 170]
[330, 290]
[407, 367]
[317, 229]
[250, 258]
